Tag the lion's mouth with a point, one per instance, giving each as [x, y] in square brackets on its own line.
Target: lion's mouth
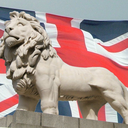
[17, 38]
[12, 41]
[6, 35]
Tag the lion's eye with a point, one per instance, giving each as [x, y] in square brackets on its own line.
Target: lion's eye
[20, 24]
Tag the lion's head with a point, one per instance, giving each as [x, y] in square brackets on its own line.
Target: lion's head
[21, 28]
[23, 42]
[24, 29]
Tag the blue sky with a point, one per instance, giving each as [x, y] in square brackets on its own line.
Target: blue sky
[87, 9]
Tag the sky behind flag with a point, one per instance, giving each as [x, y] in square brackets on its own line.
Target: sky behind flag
[81, 43]
[87, 9]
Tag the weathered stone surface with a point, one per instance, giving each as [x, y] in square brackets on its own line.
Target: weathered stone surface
[84, 123]
[27, 117]
[120, 125]
[54, 121]
[3, 122]
[9, 119]
[13, 125]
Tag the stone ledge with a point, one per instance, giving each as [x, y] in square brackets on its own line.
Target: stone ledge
[116, 125]
[19, 125]
[26, 119]
[6, 121]
[2, 122]
[59, 121]
[95, 124]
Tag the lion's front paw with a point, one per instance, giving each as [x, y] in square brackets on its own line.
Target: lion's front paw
[53, 111]
[21, 87]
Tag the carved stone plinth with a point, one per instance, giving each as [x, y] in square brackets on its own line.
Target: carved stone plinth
[26, 119]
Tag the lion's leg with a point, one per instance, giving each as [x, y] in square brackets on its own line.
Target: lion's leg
[48, 92]
[26, 103]
[89, 109]
[117, 102]
[49, 103]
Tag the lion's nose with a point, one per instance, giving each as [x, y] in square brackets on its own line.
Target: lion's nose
[8, 29]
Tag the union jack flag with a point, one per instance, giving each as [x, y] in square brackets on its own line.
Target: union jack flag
[81, 43]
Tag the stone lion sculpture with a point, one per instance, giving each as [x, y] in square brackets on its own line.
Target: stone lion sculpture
[37, 72]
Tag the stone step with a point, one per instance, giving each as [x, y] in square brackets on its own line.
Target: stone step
[27, 119]
[6, 121]
[18, 125]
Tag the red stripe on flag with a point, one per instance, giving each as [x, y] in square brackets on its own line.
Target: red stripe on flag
[58, 20]
[117, 47]
[2, 66]
[71, 40]
[73, 50]
[6, 104]
[1, 33]
[101, 114]
[80, 114]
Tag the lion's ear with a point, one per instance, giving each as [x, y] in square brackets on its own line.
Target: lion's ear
[6, 22]
[14, 14]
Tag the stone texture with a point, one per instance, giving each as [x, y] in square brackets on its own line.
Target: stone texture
[84, 123]
[13, 125]
[120, 125]
[3, 122]
[6, 121]
[27, 117]
[9, 119]
[54, 121]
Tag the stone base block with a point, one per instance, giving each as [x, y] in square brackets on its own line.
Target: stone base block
[25, 119]
[84, 123]
[6, 121]
[3, 122]
[120, 125]
[19, 125]
[56, 121]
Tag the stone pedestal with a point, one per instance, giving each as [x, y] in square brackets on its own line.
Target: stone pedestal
[25, 119]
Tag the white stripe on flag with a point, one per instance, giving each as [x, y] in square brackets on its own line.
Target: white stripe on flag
[7, 111]
[2, 27]
[6, 90]
[111, 114]
[52, 33]
[92, 46]
[41, 16]
[76, 23]
[113, 41]
[74, 109]
[50, 29]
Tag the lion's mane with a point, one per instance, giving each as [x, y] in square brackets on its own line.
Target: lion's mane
[36, 46]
